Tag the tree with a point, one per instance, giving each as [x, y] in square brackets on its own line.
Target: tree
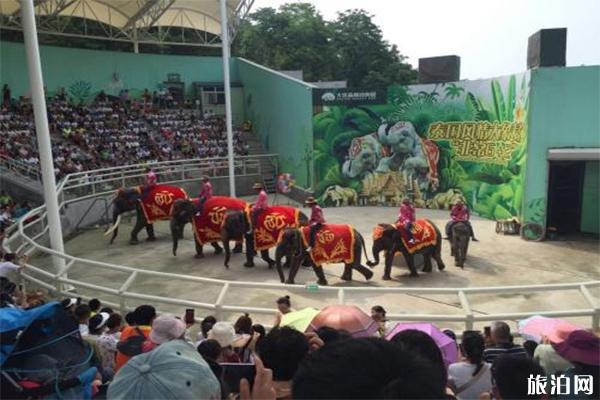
[295, 37]
[350, 48]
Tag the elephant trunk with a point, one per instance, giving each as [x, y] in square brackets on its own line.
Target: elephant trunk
[114, 228]
[376, 250]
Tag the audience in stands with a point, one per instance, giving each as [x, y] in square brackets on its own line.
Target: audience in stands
[328, 363]
[112, 131]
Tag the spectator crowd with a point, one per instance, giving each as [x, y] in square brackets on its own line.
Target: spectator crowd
[142, 355]
[112, 131]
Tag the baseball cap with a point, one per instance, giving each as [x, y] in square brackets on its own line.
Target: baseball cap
[174, 370]
[165, 328]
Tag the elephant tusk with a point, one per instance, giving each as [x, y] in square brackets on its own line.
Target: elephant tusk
[115, 226]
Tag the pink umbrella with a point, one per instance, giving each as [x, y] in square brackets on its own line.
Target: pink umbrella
[349, 318]
[446, 344]
[537, 327]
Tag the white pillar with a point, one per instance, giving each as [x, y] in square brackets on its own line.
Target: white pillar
[227, 86]
[38, 99]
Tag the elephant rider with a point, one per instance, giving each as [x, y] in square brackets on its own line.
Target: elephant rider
[149, 182]
[262, 202]
[206, 192]
[459, 213]
[406, 219]
[316, 221]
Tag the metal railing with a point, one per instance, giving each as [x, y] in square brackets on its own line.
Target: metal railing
[20, 167]
[26, 237]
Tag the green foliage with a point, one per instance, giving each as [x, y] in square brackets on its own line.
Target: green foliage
[81, 91]
[296, 36]
[535, 211]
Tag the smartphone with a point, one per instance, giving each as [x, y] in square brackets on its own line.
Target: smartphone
[189, 316]
[487, 331]
[21, 287]
[233, 374]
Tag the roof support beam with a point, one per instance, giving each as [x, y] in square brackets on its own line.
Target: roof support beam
[149, 13]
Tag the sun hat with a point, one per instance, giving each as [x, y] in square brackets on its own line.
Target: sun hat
[581, 347]
[174, 370]
[310, 200]
[223, 332]
[98, 321]
[257, 186]
[165, 328]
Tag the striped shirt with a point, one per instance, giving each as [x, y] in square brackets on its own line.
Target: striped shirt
[490, 354]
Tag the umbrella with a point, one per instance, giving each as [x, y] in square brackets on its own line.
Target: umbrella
[446, 344]
[299, 320]
[536, 327]
[349, 318]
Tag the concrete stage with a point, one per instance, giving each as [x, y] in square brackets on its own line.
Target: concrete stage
[496, 260]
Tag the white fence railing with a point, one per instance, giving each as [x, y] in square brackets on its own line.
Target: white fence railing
[26, 238]
[20, 167]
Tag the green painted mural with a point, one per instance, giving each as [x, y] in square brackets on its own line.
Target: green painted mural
[432, 143]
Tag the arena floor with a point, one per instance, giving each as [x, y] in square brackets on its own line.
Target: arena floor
[496, 260]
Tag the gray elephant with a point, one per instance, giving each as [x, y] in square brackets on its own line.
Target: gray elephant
[460, 236]
[364, 155]
[293, 246]
[389, 240]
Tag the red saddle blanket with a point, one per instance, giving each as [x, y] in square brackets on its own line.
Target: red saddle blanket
[207, 226]
[271, 222]
[158, 204]
[333, 244]
[423, 232]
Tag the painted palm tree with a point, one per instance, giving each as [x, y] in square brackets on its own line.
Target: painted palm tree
[453, 91]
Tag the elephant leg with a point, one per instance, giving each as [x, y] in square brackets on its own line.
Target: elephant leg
[389, 259]
[249, 251]
[199, 250]
[150, 232]
[264, 254]
[239, 247]
[321, 280]
[410, 261]
[293, 270]
[280, 270]
[437, 256]
[139, 224]
[347, 275]
[288, 262]
[367, 273]
[427, 263]
[218, 248]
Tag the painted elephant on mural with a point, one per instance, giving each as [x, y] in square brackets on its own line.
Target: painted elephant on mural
[460, 236]
[390, 242]
[130, 199]
[235, 227]
[293, 246]
[184, 210]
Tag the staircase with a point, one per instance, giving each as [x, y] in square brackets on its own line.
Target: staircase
[266, 166]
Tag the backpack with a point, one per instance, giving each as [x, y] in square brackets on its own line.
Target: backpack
[132, 346]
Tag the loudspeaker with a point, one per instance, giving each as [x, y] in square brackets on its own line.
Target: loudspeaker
[439, 69]
[547, 48]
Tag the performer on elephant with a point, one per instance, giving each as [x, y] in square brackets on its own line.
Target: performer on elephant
[262, 202]
[149, 182]
[316, 220]
[459, 213]
[206, 193]
[406, 218]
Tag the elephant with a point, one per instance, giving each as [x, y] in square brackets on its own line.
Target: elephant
[391, 242]
[129, 199]
[183, 212]
[235, 227]
[460, 236]
[292, 245]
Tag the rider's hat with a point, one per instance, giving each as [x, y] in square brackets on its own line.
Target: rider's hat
[310, 201]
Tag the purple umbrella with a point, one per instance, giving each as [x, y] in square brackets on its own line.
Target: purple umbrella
[445, 343]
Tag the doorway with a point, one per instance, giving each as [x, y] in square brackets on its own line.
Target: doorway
[565, 188]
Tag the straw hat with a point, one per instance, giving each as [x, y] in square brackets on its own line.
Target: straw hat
[257, 186]
[310, 200]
